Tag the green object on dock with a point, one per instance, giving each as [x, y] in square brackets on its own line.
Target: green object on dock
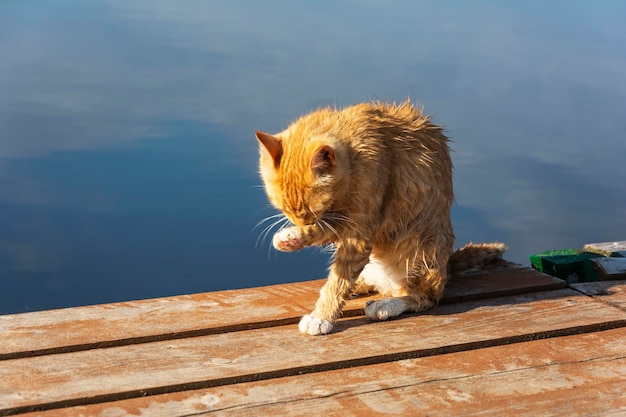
[566, 264]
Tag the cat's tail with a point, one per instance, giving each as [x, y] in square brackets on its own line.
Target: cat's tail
[474, 257]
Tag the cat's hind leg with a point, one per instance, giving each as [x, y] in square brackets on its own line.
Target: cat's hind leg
[387, 279]
[412, 292]
[389, 307]
[363, 288]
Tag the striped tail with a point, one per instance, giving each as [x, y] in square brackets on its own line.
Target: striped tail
[474, 257]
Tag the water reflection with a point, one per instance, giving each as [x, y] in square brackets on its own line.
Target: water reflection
[128, 164]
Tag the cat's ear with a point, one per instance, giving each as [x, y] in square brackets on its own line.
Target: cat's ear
[323, 160]
[273, 145]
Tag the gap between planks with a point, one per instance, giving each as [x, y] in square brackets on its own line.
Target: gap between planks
[611, 293]
[500, 280]
[346, 363]
[576, 375]
[325, 367]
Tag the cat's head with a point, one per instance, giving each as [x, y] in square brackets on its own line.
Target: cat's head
[301, 174]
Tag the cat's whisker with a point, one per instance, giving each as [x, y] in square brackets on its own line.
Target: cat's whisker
[340, 217]
[286, 223]
[263, 235]
[336, 220]
[268, 218]
[329, 248]
[323, 222]
[265, 232]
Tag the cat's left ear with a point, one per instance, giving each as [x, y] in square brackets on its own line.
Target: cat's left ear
[273, 145]
[323, 160]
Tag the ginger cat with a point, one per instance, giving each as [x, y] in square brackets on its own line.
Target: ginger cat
[375, 180]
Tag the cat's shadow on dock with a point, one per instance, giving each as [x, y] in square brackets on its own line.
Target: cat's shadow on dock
[508, 293]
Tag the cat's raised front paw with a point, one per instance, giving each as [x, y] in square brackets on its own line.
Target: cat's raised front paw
[384, 309]
[314, 326]
[288, 240]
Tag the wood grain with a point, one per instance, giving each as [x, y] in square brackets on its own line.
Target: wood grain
[610, 292]
[250, 355]
[567, 376]
[91, 327]
[607, 248]
[609, 269]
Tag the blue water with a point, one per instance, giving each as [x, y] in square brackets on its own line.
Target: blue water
[127, 153]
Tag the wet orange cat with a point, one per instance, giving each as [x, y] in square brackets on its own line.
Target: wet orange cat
[375, 180]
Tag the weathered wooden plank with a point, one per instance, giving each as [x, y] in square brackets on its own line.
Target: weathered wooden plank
[610, 292]
[608, 269]
[218, 359]
[130, 322]
[566, 376]
[501, 280]
[607, 248]
[154, 319]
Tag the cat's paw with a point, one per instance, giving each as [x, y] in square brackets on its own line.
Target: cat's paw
[314, 326]
[383, 309]
[288, 240]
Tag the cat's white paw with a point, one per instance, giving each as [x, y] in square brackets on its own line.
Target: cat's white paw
[288, 240]
[314, 326]
[384, 309]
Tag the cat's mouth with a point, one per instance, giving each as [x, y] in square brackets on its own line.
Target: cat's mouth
[303, 221]
[307, 219]
[328, 219]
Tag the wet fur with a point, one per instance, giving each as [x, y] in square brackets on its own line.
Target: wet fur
[375, 180]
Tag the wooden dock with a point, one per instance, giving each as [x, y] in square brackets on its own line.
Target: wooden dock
[511, 341]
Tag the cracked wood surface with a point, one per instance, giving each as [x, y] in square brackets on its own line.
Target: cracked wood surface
[571, 375]
[506, 339]
[610, 292]
[98, 326]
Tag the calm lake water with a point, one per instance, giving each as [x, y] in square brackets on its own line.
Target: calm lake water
[128, 163]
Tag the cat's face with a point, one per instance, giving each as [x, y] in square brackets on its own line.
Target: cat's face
[300, 176]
